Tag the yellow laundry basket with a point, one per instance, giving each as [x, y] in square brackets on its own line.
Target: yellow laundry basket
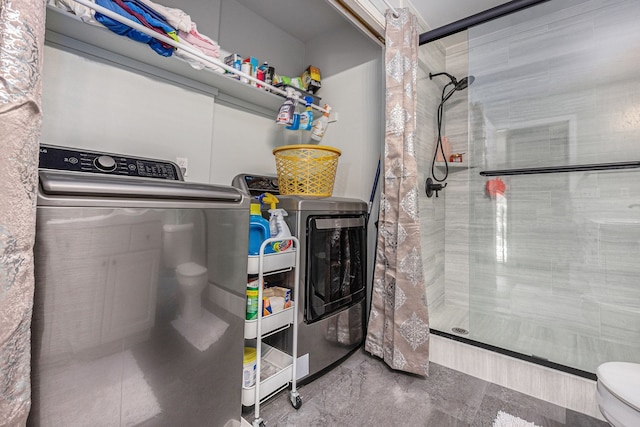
[306, 170]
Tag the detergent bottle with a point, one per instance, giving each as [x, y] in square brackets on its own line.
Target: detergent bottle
[258, 231]
[277, 225]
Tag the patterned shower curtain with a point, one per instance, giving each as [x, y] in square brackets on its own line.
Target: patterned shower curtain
[398, 330]
[21, 41]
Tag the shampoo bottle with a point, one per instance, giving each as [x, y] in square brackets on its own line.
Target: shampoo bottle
[320, 126]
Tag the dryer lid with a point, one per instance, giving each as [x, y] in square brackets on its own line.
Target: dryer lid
[622, 379]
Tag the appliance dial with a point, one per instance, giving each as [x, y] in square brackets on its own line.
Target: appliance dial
[105, 163]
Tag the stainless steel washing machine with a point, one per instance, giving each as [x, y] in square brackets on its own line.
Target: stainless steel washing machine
[136, 275]
[333, 234]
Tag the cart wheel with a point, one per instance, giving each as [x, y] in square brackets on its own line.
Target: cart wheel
[298, 403]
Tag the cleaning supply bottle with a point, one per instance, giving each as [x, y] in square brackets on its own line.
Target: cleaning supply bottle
[258, 231]
[287, 109]
[295, 125]
[252, 300]
[306, 117]
[320, 126]
[277, 225]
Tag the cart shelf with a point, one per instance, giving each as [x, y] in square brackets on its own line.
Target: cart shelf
[270, 323]
[275, 375]
[272, 262]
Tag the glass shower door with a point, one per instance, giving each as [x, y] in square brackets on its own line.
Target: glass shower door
[553, 257]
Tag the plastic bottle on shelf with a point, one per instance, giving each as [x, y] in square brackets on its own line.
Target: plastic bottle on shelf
[249, 367]
[258, 231]
[252, 300]
[320, 126]
[287, 109]
[277, 225]
[295, 125]
[306, 117]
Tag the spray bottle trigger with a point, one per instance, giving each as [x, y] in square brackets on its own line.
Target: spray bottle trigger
[270, 199]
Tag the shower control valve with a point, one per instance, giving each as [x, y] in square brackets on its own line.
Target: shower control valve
[433, 187]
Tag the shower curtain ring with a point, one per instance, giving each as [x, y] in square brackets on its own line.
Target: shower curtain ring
[394, 12]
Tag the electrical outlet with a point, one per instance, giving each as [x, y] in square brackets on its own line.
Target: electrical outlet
[183, 164]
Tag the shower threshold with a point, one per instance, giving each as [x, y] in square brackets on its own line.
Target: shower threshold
[528, 358]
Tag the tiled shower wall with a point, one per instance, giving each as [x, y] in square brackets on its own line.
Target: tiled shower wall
[445, 219]
[431, 59]
[456, 194]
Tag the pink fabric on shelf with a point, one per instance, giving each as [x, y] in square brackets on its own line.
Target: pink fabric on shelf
[201, 42]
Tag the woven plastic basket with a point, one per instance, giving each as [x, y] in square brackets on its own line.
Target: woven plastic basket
[306, 170]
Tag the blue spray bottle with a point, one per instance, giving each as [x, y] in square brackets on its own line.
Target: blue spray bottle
[306, 117]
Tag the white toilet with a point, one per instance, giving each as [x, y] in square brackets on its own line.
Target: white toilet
[192, 277]
[619, 393]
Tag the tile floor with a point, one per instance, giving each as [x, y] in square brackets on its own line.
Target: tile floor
[364, 391]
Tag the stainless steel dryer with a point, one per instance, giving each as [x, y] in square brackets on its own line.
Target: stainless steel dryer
[333, 234]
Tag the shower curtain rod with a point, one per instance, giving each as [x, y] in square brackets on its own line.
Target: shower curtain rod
[478, 18]
[557, 169]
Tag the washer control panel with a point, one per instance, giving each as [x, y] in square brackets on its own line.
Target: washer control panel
[256, 185]
[69, 159]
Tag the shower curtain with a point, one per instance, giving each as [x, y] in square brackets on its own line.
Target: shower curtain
[398, 330]
[21, 42]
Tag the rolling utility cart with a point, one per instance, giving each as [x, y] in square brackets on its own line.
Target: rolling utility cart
[278, 367]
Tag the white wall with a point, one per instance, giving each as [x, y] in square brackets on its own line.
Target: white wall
[353, 84]
[242, 143]
[96, 106]
[244, 32]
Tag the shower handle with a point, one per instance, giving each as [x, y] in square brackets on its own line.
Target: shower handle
[431, 187]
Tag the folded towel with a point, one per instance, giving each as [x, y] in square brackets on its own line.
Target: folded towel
[177, 18]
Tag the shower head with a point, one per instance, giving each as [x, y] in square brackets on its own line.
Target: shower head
[457, 85]
[464, 83]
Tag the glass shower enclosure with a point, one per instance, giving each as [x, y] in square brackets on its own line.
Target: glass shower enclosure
[542, 230]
